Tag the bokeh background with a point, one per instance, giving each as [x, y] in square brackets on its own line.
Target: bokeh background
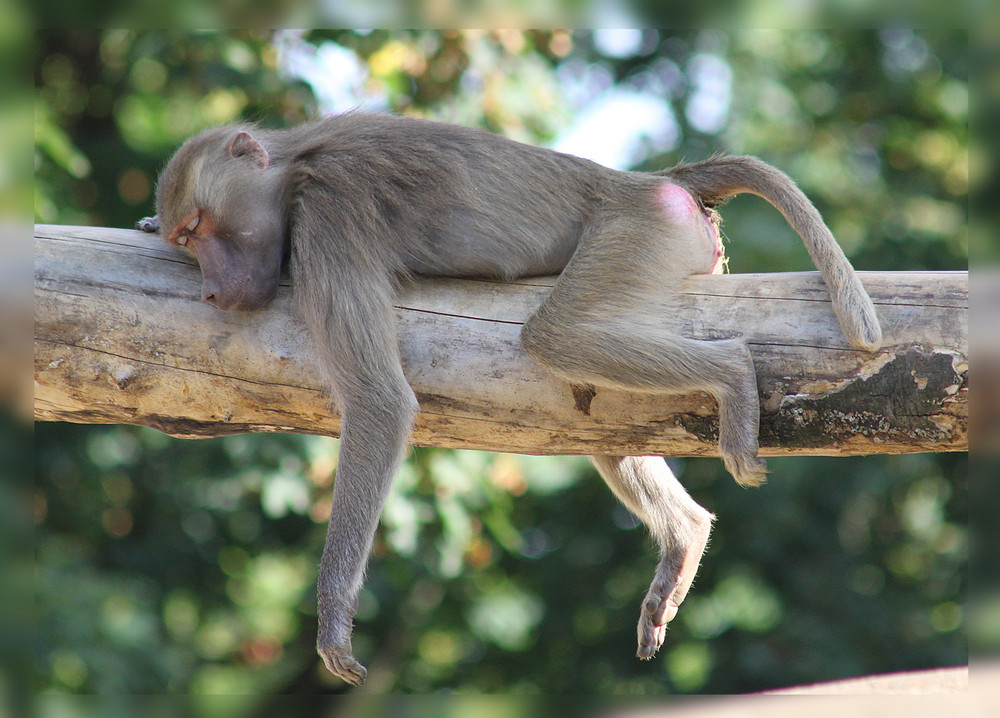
[168, 566]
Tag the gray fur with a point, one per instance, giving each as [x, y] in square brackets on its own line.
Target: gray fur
[361, 201]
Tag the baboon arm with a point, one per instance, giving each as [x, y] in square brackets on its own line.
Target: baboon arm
[354, 329]
[373, 441]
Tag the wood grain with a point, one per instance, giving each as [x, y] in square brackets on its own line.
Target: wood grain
[121, 337]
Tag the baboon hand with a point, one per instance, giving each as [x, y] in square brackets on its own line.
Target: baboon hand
[333, 643]
[340, 661]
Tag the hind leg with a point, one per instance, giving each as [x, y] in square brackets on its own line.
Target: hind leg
[622, 353]
[647, 487]
[610, 321]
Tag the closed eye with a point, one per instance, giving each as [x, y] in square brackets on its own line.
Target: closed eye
[182, 235]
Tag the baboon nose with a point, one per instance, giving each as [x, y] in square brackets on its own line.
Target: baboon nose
[210, 291]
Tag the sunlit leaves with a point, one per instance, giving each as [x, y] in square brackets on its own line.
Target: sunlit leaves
[740, 600]
[150, 124]
[506, 615]
[689, 665]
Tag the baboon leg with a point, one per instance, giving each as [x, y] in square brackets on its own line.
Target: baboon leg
[648, 488]
[609, 322]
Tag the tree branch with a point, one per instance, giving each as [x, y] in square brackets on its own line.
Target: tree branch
[121, 337]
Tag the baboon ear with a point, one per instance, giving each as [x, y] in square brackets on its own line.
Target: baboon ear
[244, 145]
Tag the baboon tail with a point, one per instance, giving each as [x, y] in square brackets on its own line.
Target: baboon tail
[719, 177]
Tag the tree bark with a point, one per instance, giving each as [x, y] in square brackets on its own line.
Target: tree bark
[121, 337]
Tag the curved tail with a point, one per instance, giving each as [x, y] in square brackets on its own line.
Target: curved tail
[719, 177]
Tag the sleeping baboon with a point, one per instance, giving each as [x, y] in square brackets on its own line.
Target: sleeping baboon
[359, 201]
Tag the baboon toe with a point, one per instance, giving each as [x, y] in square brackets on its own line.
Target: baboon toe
[747, 469]
[657, 612]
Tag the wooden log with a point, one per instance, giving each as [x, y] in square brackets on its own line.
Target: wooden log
[121, 337]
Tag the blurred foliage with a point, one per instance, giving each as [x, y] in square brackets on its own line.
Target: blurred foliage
[16, 569]
[170, 566]
[786, 15]
[15, 58]
[985, 168]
